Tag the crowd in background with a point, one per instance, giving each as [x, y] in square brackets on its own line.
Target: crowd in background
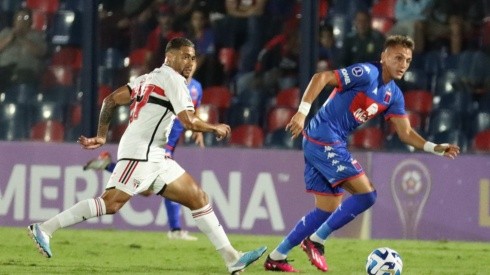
[248, 65]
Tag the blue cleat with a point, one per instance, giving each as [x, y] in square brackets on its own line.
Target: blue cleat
[41, 239]
[246, 259]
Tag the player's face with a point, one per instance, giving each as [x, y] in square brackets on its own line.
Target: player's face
[184, 60]
[189, 73]
[396, 61]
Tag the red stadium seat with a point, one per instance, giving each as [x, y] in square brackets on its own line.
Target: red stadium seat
[138, 57]
[250, 136]
[48, 131]
[384, 8]
[419, 101]
[40, 20]
[219, 96]
[67, 56]
[228, 58]
[49, 6]
[103, 92]
[367, 138]
[58, 75]
[279, 117]
[481, 142]
[289, 97]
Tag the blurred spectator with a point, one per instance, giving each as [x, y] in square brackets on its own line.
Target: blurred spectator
[244, 30]
[200, 32]
[140, 21]
[364, 43]
[160, 36]
[279, 57]
[328, 52]
[411, 16]
[451, 20]
[112, 33]
[22, 50]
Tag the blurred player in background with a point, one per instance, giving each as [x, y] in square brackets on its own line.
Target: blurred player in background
[104, 161]
[363, 90]
[155, 98]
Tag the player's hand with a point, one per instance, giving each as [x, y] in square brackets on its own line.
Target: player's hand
[296, 125]
[91, 143]
[198, 139]
[222, 132]
[450, 150]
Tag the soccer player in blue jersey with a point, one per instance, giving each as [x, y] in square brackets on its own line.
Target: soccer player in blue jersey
[104, 161]
[362, 91]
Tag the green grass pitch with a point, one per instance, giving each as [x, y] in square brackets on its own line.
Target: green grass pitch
[77, 251]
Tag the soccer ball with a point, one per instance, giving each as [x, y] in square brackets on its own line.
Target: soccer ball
[384, 261]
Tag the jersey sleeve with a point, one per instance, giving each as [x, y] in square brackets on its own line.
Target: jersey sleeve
[177, 92]
[136, 82]
[397, 107]
[355, 76]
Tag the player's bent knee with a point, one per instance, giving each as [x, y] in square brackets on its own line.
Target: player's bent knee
[370, 198]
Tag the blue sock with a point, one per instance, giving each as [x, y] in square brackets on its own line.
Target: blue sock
[305, 227]
[346, 212]
[173, 213]
[111, 167]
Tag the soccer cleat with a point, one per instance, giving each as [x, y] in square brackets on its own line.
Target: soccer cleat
[99, 163]
[278, 265]
[180, 235]
[315, 253]
[246, 259]
[41, 239]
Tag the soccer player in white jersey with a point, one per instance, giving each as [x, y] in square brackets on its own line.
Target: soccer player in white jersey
[155, 98]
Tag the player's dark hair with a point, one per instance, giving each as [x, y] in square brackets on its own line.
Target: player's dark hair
[402, 40]
[178, 43]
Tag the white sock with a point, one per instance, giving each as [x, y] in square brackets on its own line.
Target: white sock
[79, 212]
[208, 223]
[276, 255]
[314, 237]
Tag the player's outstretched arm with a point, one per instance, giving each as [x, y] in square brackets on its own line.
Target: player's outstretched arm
[316, 85]
[192, 122]
[409, 136]
[121, 96]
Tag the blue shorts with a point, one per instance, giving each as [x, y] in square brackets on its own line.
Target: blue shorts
[326, 166]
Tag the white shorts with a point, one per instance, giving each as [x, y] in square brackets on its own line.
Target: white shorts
[134, 177]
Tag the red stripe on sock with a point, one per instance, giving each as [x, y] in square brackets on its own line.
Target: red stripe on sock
[203, 212]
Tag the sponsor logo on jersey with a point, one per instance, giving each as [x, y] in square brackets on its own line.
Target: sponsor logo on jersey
[357, 71]
[346, 76]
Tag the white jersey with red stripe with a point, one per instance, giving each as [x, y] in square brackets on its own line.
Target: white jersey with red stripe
[156, 98]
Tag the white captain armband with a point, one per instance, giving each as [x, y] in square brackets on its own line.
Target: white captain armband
[304, 108]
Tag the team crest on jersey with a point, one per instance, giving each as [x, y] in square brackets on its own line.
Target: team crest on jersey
[387, 97]
[356, 165]
[357, 71]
